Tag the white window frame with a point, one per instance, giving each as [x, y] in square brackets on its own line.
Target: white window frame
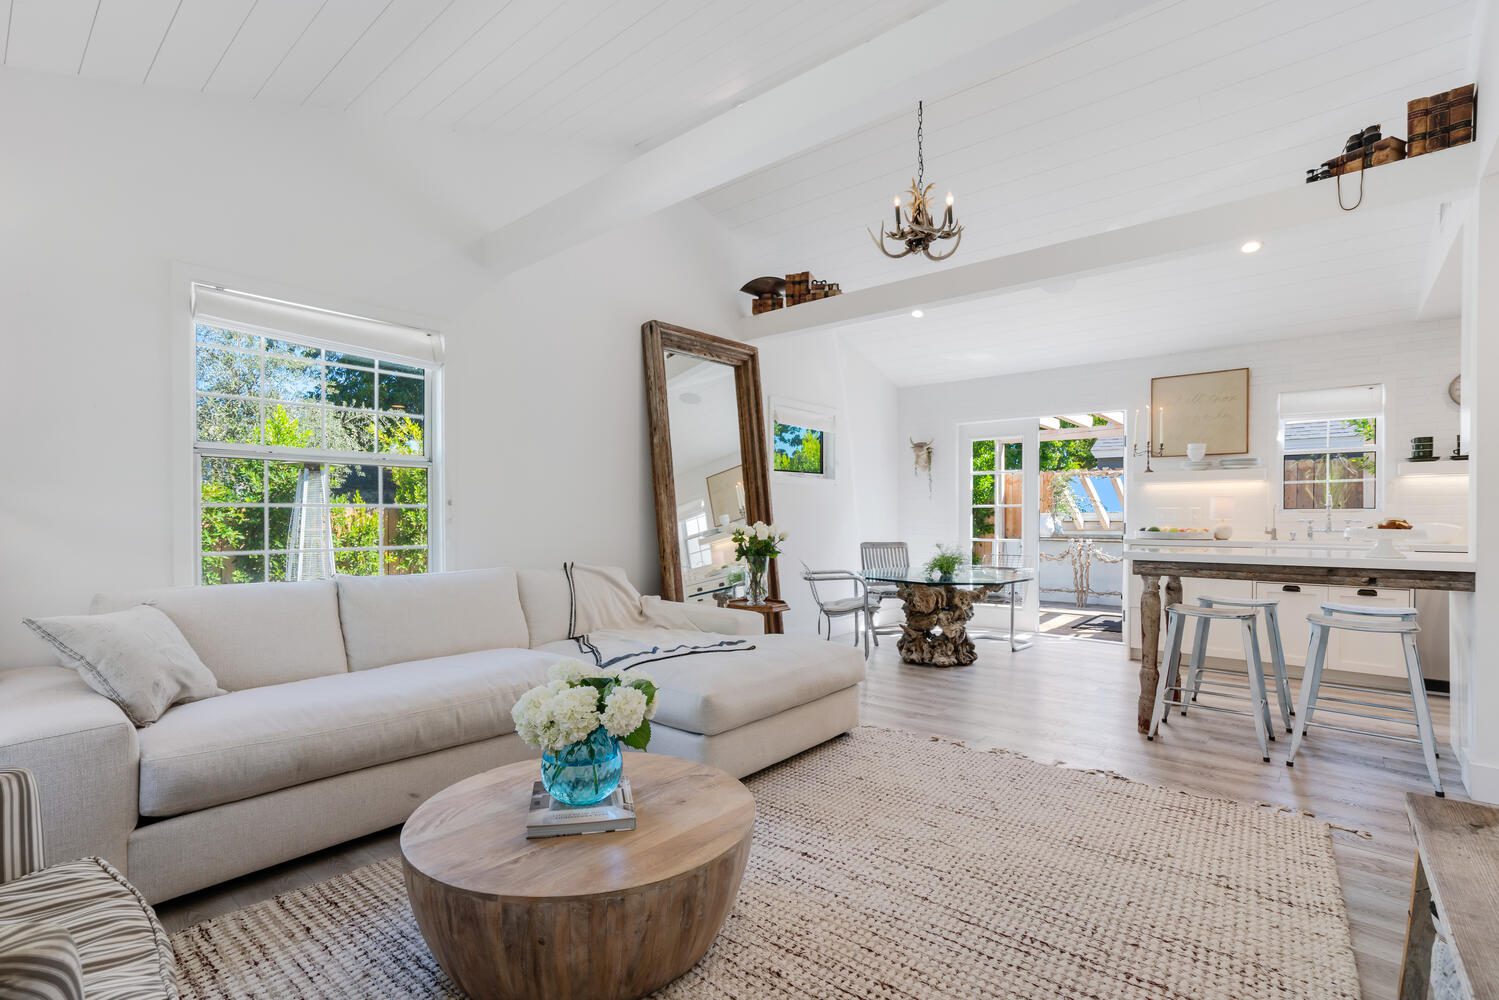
[998, 472]
[809, 416]
[1376, 409]
[188, 508]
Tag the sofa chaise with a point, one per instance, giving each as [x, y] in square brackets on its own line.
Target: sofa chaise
[351, 701]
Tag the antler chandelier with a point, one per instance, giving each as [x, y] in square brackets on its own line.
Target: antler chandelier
[917, 232]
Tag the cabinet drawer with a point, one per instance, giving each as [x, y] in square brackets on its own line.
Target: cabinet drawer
[1296, 601]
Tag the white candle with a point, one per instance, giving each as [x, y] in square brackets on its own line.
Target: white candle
[1161, 425]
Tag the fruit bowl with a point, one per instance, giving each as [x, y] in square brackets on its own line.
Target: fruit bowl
[1384, 540]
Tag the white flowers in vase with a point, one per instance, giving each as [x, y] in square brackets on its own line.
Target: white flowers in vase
[579, 699]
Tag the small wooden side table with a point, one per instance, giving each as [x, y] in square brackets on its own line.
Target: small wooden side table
[611, 916]
[1457, 875]
[771, 611]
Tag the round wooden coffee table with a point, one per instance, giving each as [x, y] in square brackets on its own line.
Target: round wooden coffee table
[608, 915]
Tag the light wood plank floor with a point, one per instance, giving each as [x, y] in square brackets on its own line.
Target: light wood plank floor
[1072, 701]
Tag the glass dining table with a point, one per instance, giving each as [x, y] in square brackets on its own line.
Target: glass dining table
[939, 608]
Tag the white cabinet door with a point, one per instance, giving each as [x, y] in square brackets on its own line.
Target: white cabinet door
[1367, 652]
[1296, 601]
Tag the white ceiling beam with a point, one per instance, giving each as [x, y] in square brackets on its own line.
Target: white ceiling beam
[1050, 424]
[944, 49]
[1081, 419]
[1435, 177]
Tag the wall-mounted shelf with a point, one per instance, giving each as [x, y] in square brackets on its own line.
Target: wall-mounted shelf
[1441, 467]
[1174, 473]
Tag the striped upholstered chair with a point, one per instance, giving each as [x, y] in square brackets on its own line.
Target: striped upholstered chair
[75, 930]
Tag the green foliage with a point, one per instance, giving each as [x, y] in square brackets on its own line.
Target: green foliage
[945, 562]
[798, 449]
[983, 456]
[1366, 427]
[1060, 501]
[640, 738]
[356, 519]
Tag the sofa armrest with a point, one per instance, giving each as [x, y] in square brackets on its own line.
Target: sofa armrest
[727, 621]
[20, 825]
[84, 756]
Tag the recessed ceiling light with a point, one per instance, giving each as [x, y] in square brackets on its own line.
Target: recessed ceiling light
[917, 314]
[1252, 246]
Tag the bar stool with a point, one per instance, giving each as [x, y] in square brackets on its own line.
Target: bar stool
[1176, 617]
[1358, 618]
[1271, 609]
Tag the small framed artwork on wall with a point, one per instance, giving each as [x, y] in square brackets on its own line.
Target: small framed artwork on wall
[1207, 407]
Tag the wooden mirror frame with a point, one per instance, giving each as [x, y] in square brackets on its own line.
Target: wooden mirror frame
[754, 452]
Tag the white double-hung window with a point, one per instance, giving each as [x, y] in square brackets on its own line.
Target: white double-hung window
[314, 444]
[1330, 442]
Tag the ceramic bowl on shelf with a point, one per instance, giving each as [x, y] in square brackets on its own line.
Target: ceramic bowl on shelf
[1196, 451]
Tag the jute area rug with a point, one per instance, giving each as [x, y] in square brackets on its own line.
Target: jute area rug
[891, 865]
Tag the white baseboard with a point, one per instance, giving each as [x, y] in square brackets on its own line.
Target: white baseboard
[1481, 781]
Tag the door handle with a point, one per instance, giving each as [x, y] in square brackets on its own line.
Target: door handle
[1367, 592]
[1291, 588]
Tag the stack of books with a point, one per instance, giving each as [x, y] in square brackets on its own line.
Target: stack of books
[550, 818]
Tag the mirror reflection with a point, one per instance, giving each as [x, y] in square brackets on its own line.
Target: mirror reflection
[708, 474]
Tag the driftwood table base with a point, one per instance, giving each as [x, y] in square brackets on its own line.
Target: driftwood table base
[935, 632]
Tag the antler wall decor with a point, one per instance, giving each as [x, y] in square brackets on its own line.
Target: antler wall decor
[922, 453]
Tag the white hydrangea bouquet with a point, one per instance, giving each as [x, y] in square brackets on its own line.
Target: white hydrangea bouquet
[578, 719]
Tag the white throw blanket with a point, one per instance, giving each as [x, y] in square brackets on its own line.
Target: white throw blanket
[614, 626]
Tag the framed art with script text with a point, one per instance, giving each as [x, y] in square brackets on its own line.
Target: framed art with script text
[1210, 407]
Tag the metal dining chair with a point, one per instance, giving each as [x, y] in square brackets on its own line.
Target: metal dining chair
[890, 557]
[840, 607]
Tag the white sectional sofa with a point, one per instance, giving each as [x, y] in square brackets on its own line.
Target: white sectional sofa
[351, 701]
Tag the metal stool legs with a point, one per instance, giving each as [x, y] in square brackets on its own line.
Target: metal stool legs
[1277, 655]
[1170, 675]
[1401, 624]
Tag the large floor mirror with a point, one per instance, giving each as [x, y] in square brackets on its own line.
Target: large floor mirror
[709, 457]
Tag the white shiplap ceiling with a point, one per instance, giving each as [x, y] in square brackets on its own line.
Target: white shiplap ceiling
[630, 73]
[1366, 271]
[1190, 103]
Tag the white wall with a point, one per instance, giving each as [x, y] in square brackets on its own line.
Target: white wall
[828, 518]
[1415, 363]
[103, 189]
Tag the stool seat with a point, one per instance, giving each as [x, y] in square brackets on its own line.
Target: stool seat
[1217, 614]
[1242, 602]
[1370, 611]
[1367, 624]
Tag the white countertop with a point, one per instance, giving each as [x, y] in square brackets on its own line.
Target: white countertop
[1298, 554]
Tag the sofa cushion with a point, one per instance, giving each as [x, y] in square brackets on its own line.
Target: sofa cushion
[250, 742]
[251, 634]
[396, 619]
[123, 950]
[711, 693]
[137, 658]
[546, 599]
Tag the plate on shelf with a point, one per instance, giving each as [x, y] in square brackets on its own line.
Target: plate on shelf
[1175, 534]
[1197, 466]
[1241, 463]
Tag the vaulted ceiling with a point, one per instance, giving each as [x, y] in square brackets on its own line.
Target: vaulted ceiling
[625, 72]
[1130, 111]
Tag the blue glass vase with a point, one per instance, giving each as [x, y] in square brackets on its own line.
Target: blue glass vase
[585, 772]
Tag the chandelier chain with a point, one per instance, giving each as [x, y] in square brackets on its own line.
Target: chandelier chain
[920, 156]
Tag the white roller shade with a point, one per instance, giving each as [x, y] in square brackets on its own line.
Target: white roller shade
[356, 334]
[1333, 404]
[794, 414]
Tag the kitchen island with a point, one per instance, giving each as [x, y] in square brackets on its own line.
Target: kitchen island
[1331, 565]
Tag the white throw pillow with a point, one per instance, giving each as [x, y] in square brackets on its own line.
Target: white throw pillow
[136, 658]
